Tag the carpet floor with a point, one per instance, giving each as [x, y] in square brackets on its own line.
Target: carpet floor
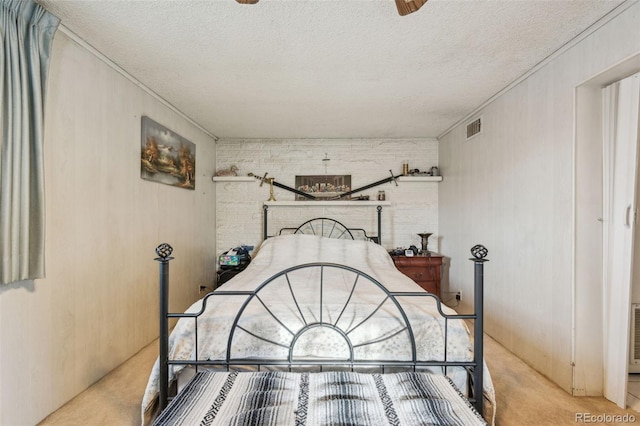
[524, 397]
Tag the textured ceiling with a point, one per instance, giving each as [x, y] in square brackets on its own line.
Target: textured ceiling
[327, 69]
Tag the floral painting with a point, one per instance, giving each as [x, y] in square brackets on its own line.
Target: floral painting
[167, 157]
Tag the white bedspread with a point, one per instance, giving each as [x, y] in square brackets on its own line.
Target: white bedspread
[279, 253]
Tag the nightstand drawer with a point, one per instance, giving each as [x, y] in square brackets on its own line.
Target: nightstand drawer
[422, 261]
[424, 270]
[419, 273]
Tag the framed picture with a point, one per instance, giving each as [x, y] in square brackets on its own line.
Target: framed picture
[167, 157]
[325, 187]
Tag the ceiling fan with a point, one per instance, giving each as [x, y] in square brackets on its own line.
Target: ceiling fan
[405, 7]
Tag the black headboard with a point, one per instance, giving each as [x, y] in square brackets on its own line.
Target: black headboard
[326, 227]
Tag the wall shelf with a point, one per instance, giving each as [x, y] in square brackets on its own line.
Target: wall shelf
[233, 179]
[400, 179]
[420, 179]
[327, 203]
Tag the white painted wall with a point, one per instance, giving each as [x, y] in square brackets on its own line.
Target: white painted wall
[513, 190]
[413, 209]
[97, 305]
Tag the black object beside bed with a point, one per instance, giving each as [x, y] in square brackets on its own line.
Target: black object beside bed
[353, 372]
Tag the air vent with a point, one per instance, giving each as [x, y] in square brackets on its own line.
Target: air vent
[634, 353]
[474, 128]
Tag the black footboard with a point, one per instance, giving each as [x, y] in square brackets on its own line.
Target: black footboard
[326, 312]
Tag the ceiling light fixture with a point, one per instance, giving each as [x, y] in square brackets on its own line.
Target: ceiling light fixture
[406, 7]
[247, 1]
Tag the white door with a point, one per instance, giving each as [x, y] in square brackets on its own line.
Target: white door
[621, 112]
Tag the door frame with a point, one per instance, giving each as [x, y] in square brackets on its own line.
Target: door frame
[620, 176]
[588, 292]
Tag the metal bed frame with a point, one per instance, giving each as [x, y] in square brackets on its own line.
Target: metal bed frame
[333, 228]
[330, 228]
[474, 368]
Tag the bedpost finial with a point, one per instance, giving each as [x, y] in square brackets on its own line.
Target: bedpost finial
[479, 252]
[163, 251]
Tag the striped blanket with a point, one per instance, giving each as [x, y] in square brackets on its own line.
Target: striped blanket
[329, 398]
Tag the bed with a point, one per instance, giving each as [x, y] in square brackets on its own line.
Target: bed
[319, 330]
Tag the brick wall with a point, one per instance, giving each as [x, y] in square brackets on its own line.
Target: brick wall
[413, 208]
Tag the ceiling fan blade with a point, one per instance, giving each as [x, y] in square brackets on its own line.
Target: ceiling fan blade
[406, 7]
[247, 1]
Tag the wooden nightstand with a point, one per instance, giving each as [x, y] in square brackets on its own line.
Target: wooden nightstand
[424, 270]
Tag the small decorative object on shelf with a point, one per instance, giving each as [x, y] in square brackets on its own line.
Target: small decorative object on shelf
[421, 173]
[271, 196]
[425, 241]
[228, 172]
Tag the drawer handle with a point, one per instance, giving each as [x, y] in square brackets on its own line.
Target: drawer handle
[418, 275]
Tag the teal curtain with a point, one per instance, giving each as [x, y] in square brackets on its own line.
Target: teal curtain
[26, 32]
